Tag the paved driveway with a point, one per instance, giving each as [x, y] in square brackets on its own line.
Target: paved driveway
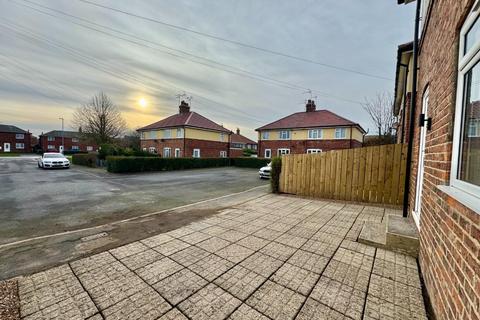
[275, 257]
[36, 202]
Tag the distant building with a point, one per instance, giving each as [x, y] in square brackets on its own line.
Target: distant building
[239, 142]
[186, 134]
[73, 142]
[14, 139]
[311, 131]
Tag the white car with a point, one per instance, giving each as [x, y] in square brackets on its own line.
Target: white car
[53, 160]
[264, 172]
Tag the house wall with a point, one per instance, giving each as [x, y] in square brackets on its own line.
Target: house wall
[449, 231]
[301, 146]
[302, 134]
[6, 137]
[68, 143]
[208, 149]
[199, 134]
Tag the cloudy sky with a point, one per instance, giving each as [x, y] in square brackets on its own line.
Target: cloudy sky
[56, 54]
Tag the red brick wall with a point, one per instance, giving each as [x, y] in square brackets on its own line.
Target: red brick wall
[235, 153]
[68, 143]
[11, 138]
[208, 149]
[449, 232]
[301, 146]
[159, 144]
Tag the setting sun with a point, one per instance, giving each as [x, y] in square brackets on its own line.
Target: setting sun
[142, 102]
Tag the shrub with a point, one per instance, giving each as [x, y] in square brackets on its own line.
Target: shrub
[249, 162]
[89, 159]
[107, 150]
[275, 174]
[120, 164]
[248, 152]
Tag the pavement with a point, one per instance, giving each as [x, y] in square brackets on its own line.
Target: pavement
[272, 257]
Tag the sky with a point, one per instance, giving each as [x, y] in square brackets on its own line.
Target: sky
[53, 61]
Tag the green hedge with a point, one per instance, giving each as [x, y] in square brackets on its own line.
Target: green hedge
[89, 159]
[249, 162]
[120, 164]
[275, 174]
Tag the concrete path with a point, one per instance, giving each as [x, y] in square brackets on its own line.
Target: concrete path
[275, 257]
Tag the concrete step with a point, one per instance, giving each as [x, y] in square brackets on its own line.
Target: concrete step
[374, 234]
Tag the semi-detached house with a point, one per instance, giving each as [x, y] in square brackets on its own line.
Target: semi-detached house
[186, 134]
[60, 141]
[311, 131]
[14, 139]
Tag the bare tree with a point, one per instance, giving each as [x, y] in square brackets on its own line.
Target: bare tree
[100, 119]
[380, 109]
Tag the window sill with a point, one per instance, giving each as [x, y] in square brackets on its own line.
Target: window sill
[463, 197]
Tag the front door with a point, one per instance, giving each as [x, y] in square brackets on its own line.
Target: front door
[6, 147]
[421, 168]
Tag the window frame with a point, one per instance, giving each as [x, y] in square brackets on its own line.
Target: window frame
[180, 132]
[152, 150]
[223, 154]
[280, 153]
[314, 151]
[19, 136]
[194, 151]
[179, 153]
[50, 138]
[167, 134]
[265, 135]
[342, 129]
[75, 148]
[89, 148]
[280, 132]
[50, 147]
[165, 149]
[75, 140]
[21, 144]
[319, 134]
[265, 154]
[466, 61]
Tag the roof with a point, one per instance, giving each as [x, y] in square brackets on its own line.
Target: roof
[66, 134]
[314, 119]
[238, 138]
[403, 56]
[6, 128]
[189, 119]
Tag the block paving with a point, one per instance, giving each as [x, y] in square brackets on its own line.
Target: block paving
[274, 257]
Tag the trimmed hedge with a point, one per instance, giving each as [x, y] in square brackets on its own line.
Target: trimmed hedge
[249, 162]
[275, 174]
[89, 159]
[121, 164]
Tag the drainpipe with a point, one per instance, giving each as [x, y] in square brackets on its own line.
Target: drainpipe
[412, 112]
[405, 95]
[351, 131]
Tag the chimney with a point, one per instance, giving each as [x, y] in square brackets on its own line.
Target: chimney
[184, 107]
[238, 130]
[310, 107]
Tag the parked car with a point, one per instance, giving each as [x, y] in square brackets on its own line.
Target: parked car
[264, 172]
[53, 160]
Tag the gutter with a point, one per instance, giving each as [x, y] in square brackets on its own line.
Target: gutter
[412, 112]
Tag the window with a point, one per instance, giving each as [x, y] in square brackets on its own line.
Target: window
[178, 153]
[179, 132]
[19, 146]
[50, 147]
[196, 153]
[314, 151]
[340, 133]
[223, 154]
[74, 139]
[222, 136]
[315, 134]
[237, 145]
[75, 148]
[144, 149]
[50, 138]
[424, 4]
[167, 152]
[283, 151]
[89, 148]
[268, 153]
[465, 172]
[167, 134]
[143, 136]
[284, 134]
[19, 136]
[153, 134]
[152, 150]
[265, 135]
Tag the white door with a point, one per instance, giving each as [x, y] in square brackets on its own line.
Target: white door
[61, 149]
[421, 168]
[6, 147]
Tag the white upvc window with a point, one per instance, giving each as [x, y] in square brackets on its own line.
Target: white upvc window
[19, 146]
[167, 133]
[268, 153]
[424, 4]
[144, 135]
[283, 151]
[167, 152]
[75, 148]
[465, 171]
[196, 153]
[265, 135]
[314, 151]
[284, 134]
[89, 148]
[50, 147]
[50, 138]
[153, 134]
[340, 133]
[179, 132]
[152, 150]
[315, 134]
[74, 139]
[19, 136]
[178, 153]
[222, 136]
[223, 154]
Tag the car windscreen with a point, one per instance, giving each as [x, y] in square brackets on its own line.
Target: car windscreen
[53, 155]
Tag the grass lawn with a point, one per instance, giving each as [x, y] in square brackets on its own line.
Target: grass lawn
[9, 154]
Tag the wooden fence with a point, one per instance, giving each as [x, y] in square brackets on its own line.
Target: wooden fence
[371, 174]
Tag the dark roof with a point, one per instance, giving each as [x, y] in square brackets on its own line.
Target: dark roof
[66, 134]
[11, 129]
[315, 119]
[238, 138]
[189, 119]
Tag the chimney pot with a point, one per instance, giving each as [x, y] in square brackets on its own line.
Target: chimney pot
[310, 107]
[184, 107]
[238, 130]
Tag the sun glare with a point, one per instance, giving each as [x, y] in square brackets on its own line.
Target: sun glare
[142, 102]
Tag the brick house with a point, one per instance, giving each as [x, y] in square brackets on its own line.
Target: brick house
[14, 139]
[311, 131]
[73, 142]
[186, 134]
[239, 142]
[444, 197]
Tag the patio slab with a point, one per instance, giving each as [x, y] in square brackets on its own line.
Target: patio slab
[275, 257]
